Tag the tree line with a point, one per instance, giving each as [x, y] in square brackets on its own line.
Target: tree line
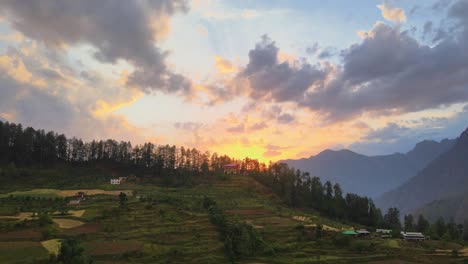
[28, 146]
[300, 189]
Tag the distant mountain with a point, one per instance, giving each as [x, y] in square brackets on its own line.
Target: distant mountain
[370, 175]
[442, 184]
[455, 208]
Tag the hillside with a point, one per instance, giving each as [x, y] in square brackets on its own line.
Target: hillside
[445, 178]
[452, 208]
[171, 225]
[370, 175]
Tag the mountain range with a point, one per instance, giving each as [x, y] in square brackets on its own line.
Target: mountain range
[439, 190]
[371, 175]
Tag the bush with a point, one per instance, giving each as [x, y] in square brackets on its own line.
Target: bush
[49, 232]
[44, 219]
[341, 240]
[363, 246]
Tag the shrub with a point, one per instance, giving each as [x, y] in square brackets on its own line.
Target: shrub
[44, 219]
[49, 232]
[363, 246]
[341, 241]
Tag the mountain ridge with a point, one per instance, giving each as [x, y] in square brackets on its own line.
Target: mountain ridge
[445, 178]
[370, 175]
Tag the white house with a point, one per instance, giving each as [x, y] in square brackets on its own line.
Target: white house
[383, 231]
[415, 236]
[115, 181]
[363, 232]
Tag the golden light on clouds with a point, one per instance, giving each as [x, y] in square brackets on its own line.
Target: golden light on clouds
[224, 66]
[103, 107]
[393, 14]
[17, 70]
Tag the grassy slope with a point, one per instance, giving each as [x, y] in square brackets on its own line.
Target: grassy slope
[174, 227]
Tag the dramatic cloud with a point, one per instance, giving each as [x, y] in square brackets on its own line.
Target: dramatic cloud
[117, 29]
[24, 103]
[391, 72]
[280, 82]
[393, 14]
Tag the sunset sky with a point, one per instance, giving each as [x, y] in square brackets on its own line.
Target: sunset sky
[269, 79]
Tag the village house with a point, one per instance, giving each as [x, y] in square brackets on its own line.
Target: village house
[362, 232]
[231, 168]
[75, 202]
[118, 181]
[383, 231]
[413, 236]
[115, 181]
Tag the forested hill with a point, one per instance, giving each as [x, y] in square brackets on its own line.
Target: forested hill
[371, 175]
[179, 166]
[444, 178]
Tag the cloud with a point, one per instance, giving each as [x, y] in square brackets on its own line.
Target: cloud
[190, 126]
[280, 82]
[223, 65]
[240, 128]
[326, 53]
[312, 50]
[259, 126]
[286, 118]
[440, 5]
[391, 72]
[427, 29]
[391, 131]
[393, 14]
[24, 103]
[271, 153]
[117, 30]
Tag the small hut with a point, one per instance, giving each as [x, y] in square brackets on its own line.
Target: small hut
[231, 168]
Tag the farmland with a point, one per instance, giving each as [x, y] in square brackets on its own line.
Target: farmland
[170, 225]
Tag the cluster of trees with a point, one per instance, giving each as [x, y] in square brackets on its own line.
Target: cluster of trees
[299, 189]
[33, 204]
[240, 239]
[437, 230]
[70, 251]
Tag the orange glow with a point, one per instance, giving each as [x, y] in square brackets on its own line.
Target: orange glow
[104, 107]
[240, 151]
[224, 66]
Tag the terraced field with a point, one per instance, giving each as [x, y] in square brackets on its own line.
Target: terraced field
[170, 225]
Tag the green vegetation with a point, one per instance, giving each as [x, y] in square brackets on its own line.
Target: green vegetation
[240, 239]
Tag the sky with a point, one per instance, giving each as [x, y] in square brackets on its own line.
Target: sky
[268, 79]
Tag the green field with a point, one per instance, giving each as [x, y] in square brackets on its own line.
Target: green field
[170, 225]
